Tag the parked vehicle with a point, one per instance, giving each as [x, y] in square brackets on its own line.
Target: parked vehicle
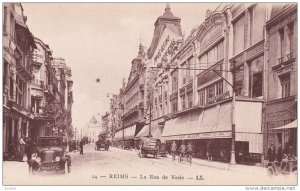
[50, 156]
[149, 146]
[163, 149]
[101, 144]
[127, 145]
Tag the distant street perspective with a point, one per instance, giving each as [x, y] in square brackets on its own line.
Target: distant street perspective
[150, 94]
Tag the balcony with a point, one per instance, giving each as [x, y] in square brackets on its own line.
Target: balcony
[284, 62]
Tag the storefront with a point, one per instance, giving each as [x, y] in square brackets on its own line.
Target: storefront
[210, 129]
[280, 113]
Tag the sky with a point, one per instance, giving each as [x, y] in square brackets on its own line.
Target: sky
[99, 40]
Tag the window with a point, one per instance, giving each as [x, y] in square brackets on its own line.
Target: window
[175, 105]
[201, 95]
[210, 91]
[285, 81]
[190, 99]
[219, 87]
[183, 102]
[184, 74]
[12, 25]
[239, 76]
[188, 72]
[291, 37]
[174, 81]
[11, 88]
[212, 56]
[256, 77]
[5, 73]
[239, 35]
[281, 41]
[257, 21]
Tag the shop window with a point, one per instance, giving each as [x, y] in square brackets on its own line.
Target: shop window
[285, 81]
[256, 77]
[201, 96]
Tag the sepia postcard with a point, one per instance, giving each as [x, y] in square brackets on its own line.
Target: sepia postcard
[149, 94]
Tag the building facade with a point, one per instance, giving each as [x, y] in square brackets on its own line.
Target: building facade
[132, 99]
[281, 77]
[42, 94]
[18, 46]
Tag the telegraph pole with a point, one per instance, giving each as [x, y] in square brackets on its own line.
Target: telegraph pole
[232, 157]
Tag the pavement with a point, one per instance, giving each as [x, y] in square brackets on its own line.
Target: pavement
[225, 166]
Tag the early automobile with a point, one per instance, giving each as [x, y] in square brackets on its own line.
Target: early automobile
[149, 146]
[101, 144]
[50, 156]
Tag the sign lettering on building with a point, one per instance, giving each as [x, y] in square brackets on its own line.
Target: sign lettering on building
[218, 98]
[162, 48]
[200, 135]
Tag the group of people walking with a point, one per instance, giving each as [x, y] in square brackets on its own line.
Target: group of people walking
[183, 150]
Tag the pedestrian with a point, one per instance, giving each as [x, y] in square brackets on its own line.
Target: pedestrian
[279, 153]
[74, 146]
[22, 147]
[209, 151]
[181, 151]
[81, 147]
[173, 150]
[30, 148]
[271, 153]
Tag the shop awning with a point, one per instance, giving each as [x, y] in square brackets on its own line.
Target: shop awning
[129, 132]
[214, 122]
[291, 125]
[119, 134]
[156, 131]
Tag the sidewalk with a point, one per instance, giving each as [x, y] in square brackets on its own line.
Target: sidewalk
[226, 166]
